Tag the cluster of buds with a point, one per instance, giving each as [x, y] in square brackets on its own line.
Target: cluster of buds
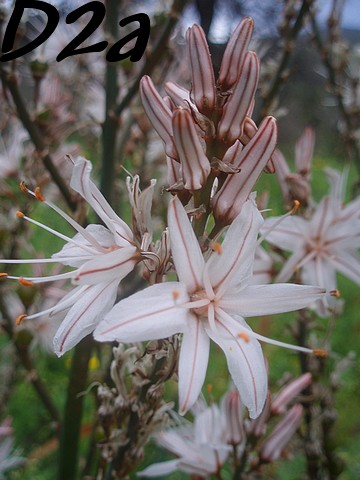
[219, 432]
[134, 409]
[208, 132]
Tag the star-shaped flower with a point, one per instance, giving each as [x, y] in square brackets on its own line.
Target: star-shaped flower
[324, 243]
[100, 257]
[210, 301]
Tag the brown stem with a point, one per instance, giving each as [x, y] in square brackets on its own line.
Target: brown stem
[290, 37]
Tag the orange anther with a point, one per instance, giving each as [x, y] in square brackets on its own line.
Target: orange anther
[3, 275]
[175, 294]
[216, 247]
[295, 207]
[23, 188]
[25, 283]
[244, 336]
[20, 318]
[335, 293]
[19, 214]
[320, 352]
[209, 387]
[39, 195]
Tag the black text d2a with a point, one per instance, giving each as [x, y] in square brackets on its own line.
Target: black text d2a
[141, 34]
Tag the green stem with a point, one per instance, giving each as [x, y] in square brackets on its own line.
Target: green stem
[70, 432]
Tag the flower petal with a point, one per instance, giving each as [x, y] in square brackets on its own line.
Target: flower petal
[245, 361]
[235, 263]
[257, 300]
[151, 314]
[159, 469]
[83, 316]
[194, 357]
[185, 248]
[106, 267]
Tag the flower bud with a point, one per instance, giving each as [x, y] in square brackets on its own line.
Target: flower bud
[304, 150]
[194, 163]
[158, 113]
[257, 427]
[233, 410]
[282, 433]
[253, 157]
[203, 92]
[231, 125]
[234, 54]
[289, 392]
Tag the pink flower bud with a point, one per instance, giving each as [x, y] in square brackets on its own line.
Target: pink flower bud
[233, 409]
[252, 159]
[178, 94]
[194, 163]
[203, 92]
[158, 113]
[234, 54]
[282, 433]
[231, 125]
[304, 150]
[257, 427]
[289, 392]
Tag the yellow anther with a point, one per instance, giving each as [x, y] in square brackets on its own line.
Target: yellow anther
[320, 352]
[244, 336]
[39, 195]
[23, 188]
[295, 207]
[20, 318]
[3, 275]
[216, 247]
[175, 294]
[25, 283]
[19, 214]
[335, 293]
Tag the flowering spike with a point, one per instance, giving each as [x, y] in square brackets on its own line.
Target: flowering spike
[195, 164]
[231, 125]
[234, 54]
[203, 91]
[20, 318]
[39, 195]
[158, 112]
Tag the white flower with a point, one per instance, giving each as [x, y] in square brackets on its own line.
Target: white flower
[210, 301]
[322, 245]
[100, 257]
[201, 447]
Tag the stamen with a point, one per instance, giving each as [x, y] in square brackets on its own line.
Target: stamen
[39, 195]
[51, 278]
[335, 293]
[20, 318]
[19, 214]
[209, 388]
[295, 207]
[175, 294]
[216, 247]
[4, 275]
[244, 336]
[23, 188]
[280, 219]
[24, 282]
[320, 352]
